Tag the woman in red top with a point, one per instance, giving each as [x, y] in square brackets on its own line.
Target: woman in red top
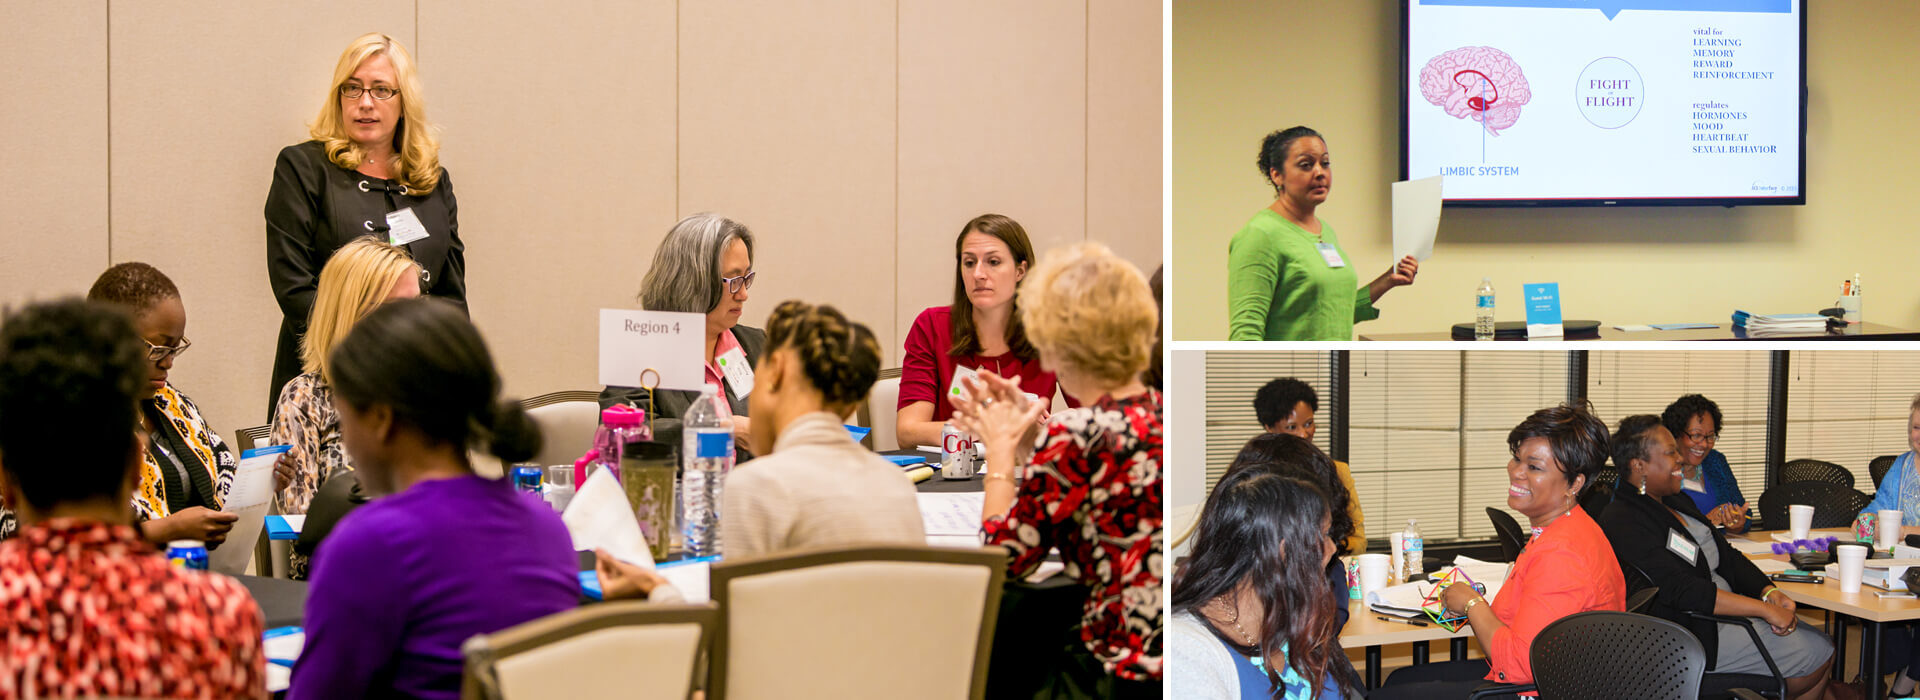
[981, 330]
[1568, 567]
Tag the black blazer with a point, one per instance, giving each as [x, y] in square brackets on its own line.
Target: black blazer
[315, 207]
[673, 404]
[1638, 527]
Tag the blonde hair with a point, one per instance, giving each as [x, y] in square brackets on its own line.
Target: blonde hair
[416, 142]
[1091, 310]
[354, 282]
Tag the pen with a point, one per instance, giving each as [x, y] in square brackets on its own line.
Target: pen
[1415, 623]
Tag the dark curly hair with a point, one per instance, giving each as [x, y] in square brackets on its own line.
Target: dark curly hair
[1273, 151]
[1682, 411]
[1632, 440]
[70, 374]
[1290, 455]
[841, 358]
[1577, 437]
[135, 285]
[1275, 401]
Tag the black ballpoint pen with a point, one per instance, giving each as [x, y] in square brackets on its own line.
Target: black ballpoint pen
[1402, 620]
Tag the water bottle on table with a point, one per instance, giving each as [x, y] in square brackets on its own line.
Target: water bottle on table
[1483, 310]
[708, 450]
[1414, 547]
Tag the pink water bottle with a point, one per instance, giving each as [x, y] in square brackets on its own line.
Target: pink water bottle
[619, 424]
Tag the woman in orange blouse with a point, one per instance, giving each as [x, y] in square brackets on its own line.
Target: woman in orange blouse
[1567, 567]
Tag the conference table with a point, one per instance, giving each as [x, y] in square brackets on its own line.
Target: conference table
[1365, 629]
[1873, 611]
[1725, 331]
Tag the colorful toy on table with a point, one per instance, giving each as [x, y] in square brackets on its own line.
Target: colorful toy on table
[1866, 527]
[1432, 606]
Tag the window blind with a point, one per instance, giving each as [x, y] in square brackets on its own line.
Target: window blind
[1621, 384]
[1848, 407]
[1232, 380]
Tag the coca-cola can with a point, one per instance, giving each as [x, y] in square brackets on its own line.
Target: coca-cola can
[956, 454]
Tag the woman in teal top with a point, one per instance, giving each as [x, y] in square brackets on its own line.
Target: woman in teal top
[1287, 278]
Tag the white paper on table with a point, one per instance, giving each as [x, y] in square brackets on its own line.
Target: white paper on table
[1746, 546]
[1487, 572]
[952, 513]
[248, 497]
[285, 647]
[693, 578]
[1404, 600]
[1416, 217]
[1771, 566]
[669, 343]
[599, 517]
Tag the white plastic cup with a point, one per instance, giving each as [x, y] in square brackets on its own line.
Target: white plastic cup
[1799, 520]
[1887, 530]
[1853, 565]
[1373, 572]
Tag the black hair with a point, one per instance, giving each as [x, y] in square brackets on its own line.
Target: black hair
[1577, 438]
[1293, 456]
[840, 358]
[424, 359]
[1631, 441]
[1683, 409]
[1262, 529]
[135, 285]
[1273, 151]
[71, 373]
[1273, 402]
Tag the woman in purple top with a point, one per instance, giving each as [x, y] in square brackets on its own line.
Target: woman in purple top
[444, 554]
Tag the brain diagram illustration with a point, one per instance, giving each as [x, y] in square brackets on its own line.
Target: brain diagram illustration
[1480, 83]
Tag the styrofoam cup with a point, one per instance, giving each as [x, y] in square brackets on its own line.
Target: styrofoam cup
[1799, 520]
[1887, 530]
[1373, 572]
[1853, 565]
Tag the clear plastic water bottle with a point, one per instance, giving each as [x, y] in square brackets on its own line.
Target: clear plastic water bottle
[1483, 310]
[708, 454]
[1415, 549]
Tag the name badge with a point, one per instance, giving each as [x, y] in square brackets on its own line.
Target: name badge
[956, 390]
[1331, 254]
[739, 372]
[1683, 546]
[403, 227]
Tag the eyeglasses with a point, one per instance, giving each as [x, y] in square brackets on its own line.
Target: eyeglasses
[380, 92]
[1709, 437]
[156, 353]
[735, 284]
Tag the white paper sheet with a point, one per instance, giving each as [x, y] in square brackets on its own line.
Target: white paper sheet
[599, 517]
[666, 342]
[1416, 217]
[693, 578]
[251, 491]
[1771, 566]
[284, 647]
[1746, 546]
[952, 513]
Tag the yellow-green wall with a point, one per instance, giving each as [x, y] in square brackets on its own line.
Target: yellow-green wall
[1242, 69]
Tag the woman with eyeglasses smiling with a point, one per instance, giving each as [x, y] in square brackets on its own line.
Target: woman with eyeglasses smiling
[372, 169]
[1694, 421]
[705, 266]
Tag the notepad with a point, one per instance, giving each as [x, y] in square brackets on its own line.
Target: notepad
[905, 460]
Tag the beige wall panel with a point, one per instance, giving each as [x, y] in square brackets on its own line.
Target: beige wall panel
[787, 125]
[560, 139]
[993, 117]
[1233, 83]
[1125, 129]
[53, 228]
[204, 94]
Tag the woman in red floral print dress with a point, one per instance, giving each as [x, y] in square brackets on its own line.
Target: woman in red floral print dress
[1091, 486]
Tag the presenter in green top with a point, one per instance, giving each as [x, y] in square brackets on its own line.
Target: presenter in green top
[1287, 278]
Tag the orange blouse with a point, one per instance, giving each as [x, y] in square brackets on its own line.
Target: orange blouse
[1568, 568]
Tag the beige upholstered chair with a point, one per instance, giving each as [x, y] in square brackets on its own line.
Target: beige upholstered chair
[881, 411]
[622, 650]
[878, 622]
[567, 420]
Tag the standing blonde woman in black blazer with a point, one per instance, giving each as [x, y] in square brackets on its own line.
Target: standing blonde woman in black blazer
[372, 169]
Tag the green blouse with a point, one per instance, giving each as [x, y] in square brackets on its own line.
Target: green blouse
[1280, 288]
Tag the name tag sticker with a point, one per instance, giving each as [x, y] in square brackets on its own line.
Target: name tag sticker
[1330, 254]
[403, 227]
[1683, 546]
[739, 372]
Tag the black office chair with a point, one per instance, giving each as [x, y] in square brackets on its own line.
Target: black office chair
[1595, 500]
[1509, 532]
[1833, 505]
[1815, 470]
[1605, 655]
[1720, 686]
[1879, 467]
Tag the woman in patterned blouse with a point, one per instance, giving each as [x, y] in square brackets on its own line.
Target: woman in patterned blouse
[360, 277]
[1091, 488]
[87, 607]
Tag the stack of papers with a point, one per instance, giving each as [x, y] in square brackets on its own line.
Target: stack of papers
[1779, 324]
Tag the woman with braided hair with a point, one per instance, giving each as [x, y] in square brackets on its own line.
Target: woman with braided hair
[815, 486]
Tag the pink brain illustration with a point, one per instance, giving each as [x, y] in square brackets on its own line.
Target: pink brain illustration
[1481, 83]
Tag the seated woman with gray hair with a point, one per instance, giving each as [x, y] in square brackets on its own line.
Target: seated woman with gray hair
[705, 266]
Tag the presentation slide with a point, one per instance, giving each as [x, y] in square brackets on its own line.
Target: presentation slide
[1572, 102]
